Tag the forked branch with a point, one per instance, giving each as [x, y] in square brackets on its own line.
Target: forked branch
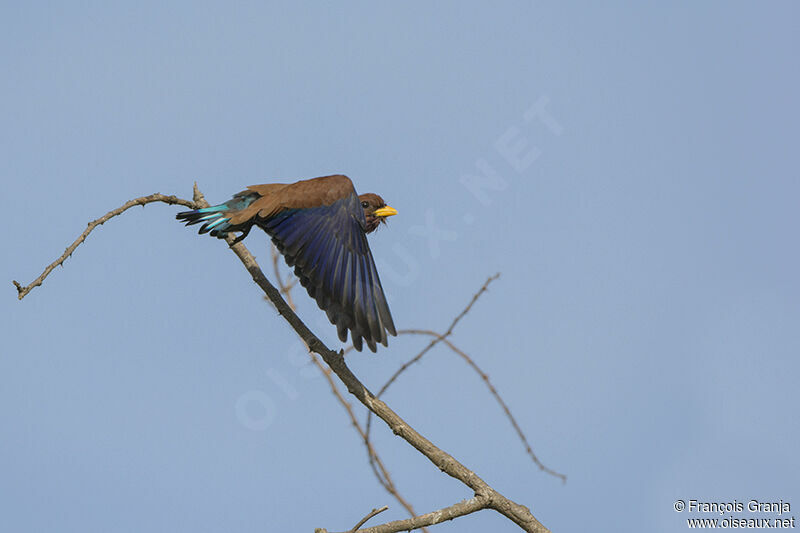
[485, 496]
[142, 201]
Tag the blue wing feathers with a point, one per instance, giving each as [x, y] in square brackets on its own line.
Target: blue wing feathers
[315, 254]
[373, 317]
[306, 245]
[215, 223]
[330, 254]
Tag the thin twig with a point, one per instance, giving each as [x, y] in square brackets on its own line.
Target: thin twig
[144, 200]
[485, 377]
[461, 508]
[285, 288]
[378, 467]
[370, 515]
[446, 334]
[433, 343]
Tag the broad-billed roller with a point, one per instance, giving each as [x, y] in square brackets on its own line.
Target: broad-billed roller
[320, 226]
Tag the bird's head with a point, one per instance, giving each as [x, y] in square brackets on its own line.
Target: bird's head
[375, 210]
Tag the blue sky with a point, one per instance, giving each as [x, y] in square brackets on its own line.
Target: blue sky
[630, 169]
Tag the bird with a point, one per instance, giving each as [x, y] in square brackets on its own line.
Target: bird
[320, 226]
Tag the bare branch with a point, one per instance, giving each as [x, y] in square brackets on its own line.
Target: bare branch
[144, 200]
[433, 343]
[485, 496]
[285, 288]
[429, 519]
[446, 334]
[493, 391]
[378, 467]
[519, 514]
[370, 515]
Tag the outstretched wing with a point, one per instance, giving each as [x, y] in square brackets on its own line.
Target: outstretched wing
[327, 246]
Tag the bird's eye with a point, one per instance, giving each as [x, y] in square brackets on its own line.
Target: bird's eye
[365, 204]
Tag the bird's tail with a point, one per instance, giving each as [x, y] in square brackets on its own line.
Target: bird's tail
[216, 219]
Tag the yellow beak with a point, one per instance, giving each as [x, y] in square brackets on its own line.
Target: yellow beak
[385, 211]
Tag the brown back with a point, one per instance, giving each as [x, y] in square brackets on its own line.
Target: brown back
[276, 197]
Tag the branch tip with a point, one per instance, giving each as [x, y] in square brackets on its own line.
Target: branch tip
[90, 226]
[366, 518]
